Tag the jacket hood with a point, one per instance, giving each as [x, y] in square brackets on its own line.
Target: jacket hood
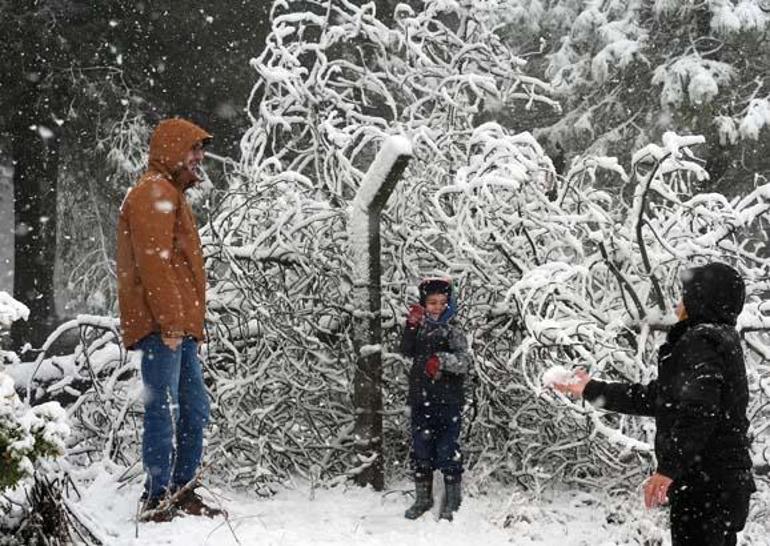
[439, 285]
[170, 142]
[713, 293]
[435, 285]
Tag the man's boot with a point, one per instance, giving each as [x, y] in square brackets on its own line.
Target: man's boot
[452, 498]
[423, 497]
[189, 502]
[157, 510]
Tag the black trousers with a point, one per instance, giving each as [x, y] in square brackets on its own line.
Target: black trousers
[436, 440]
[707, 516]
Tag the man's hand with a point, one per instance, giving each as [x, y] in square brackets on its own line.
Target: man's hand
[656, 490]
[172, 343]
[575, 387]
[415, 317]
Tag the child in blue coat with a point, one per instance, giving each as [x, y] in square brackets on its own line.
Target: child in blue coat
[436, 394]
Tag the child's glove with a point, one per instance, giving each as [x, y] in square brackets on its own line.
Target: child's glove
[433, 367]
[415, 316]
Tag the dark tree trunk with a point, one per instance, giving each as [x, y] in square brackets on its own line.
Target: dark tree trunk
[35, 144]
[35, 95]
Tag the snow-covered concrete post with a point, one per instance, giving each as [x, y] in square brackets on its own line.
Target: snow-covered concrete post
[364, 233]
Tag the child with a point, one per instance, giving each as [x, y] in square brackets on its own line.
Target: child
[440, 362]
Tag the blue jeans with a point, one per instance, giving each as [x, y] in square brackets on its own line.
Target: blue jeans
[176, 410]
[436, 440]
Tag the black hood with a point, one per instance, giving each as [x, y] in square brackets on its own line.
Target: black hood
[713, 293]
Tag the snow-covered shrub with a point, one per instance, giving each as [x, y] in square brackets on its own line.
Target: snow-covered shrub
[335, 82]
[627, 71]
[98, 384]
[606, 304]
[85, 410]
[11, 310]
[551, 270]
[33, 439]
[27, 435]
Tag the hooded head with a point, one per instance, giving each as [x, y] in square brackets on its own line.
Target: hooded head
[713, 293]
[435, 286]
[169, 145]
[441, 285]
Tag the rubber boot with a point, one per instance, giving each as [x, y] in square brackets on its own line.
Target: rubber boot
[423, 498]
[452, 498]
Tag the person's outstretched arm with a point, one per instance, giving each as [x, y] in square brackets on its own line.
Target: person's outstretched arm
[630, 398]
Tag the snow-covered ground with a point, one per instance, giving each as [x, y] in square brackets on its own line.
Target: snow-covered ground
[351, 515]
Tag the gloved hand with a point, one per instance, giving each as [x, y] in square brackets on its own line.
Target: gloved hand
[415, 316]
[433, 367]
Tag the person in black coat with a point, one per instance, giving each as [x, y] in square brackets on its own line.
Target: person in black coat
[440, 361]
[699, 403]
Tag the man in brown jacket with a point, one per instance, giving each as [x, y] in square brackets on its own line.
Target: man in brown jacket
[162, 297]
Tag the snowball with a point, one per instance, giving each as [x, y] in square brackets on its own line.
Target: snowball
[557, 374]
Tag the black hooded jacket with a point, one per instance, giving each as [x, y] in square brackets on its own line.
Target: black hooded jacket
[700, 397]
[448, 343]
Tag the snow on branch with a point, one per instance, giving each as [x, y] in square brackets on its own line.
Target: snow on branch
[11, 310]
[551, 269]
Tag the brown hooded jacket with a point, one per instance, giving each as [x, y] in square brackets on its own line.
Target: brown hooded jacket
[161, 281]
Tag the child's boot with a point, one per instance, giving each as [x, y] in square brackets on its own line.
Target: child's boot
[423, 497]
[453, 496]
